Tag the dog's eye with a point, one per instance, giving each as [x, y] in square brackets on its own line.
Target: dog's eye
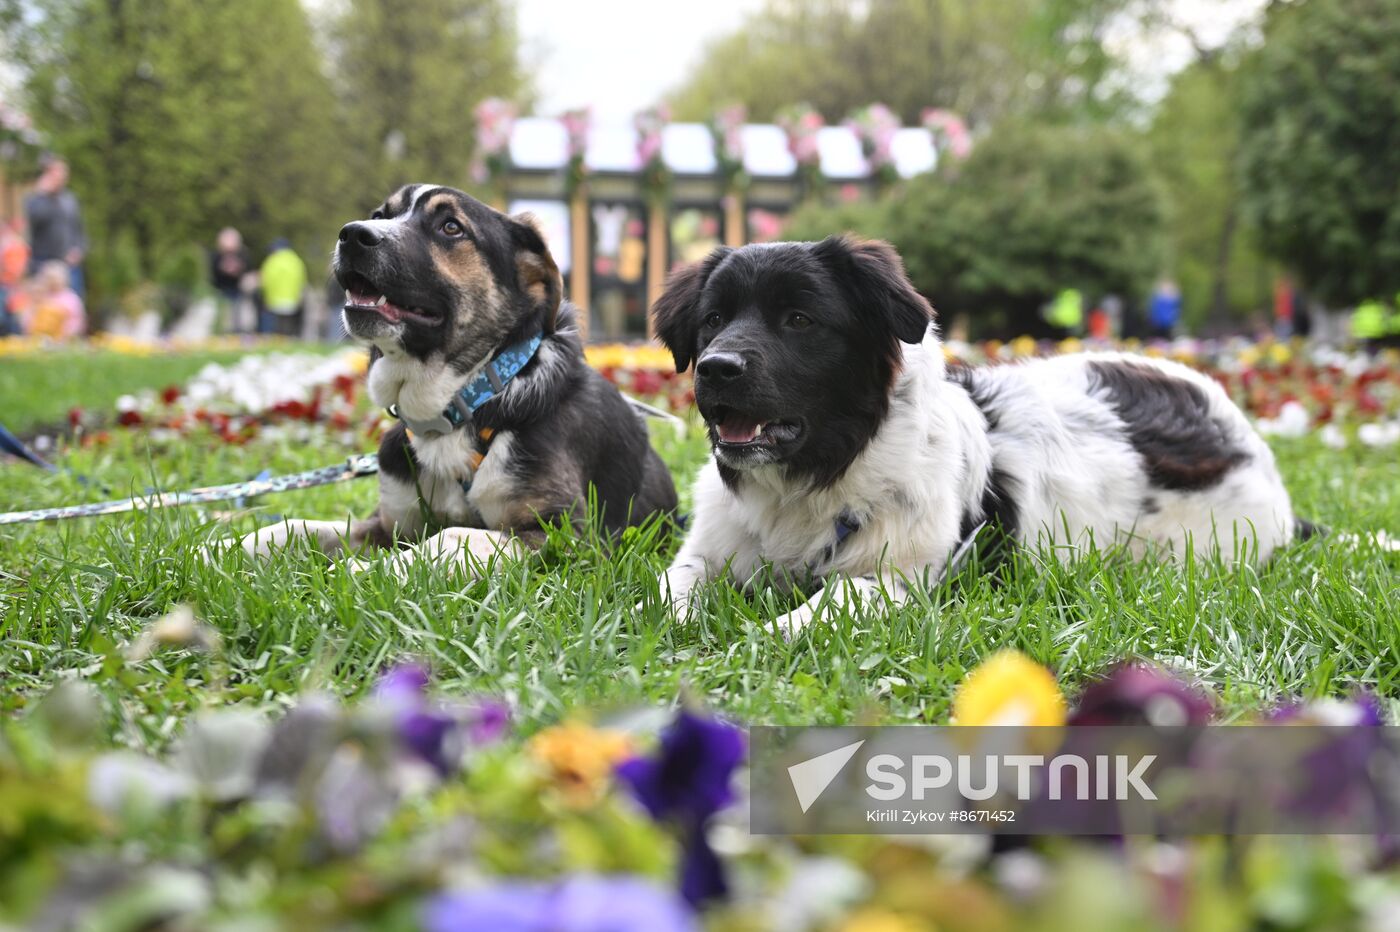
[713, 319]
[377, 215]
[799, 321]
[452, 228]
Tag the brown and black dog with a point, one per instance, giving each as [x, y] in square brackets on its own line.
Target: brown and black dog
[503, 427]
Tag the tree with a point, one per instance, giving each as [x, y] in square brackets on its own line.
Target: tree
[1320, 145]
[179, 117]
[410, 73]
[981, 59]
[1034, 210]
[1194, 141]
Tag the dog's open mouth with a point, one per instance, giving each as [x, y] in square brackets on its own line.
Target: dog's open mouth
[362, 295]
[734, 429]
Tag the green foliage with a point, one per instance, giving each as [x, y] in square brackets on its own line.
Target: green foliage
[180, 117]
[1035, 209]
[981, 59]
[1320, 145]
[818, 220]
[410, 72]
[182, 268]
[1212, 253]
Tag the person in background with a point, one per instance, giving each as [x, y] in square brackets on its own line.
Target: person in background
[56, 224]
[228, 266]
[1112, 306]
[283, 278]
[1164, 310]
[1376, 326]
[53, 309]
[1066, 313]
[1284, 306]
[14, 260]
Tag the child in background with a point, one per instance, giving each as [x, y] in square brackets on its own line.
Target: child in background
[54, 309]
[14, 259]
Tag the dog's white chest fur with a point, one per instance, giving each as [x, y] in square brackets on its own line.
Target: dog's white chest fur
[448, 492]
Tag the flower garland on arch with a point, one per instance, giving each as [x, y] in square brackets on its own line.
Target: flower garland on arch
[655, 175]
[495, 118]
[726, 126]
[576, 124]
[875, 127]
[802, 123]
[950, 133]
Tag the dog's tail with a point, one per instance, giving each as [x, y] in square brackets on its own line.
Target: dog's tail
[1303, 529]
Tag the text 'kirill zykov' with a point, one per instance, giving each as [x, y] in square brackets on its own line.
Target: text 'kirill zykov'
[1064, 776]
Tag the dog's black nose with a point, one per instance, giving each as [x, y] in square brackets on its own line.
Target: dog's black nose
[362, 233]
[720, 367]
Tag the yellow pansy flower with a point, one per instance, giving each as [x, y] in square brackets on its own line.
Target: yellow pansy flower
[580, 758]
[1009, 689]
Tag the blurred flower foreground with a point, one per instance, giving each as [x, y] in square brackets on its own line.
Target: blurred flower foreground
[409, 810]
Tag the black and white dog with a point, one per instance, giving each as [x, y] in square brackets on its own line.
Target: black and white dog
[845, 446]
[503, 427]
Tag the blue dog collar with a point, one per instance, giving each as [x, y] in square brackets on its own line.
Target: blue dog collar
[843, 527]
[492, 380]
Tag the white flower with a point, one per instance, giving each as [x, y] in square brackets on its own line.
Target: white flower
[121, 780]
[1379, 435]
[1292, 421]
[221, 751]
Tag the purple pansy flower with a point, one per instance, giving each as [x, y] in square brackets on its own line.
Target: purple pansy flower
[1338, 774]
[1142, 694]
[1362, 709]
[688, 779]
[578, 904]
[687, 782]
[426, 733]
[435, 733]
[487, 721]
[405, 682]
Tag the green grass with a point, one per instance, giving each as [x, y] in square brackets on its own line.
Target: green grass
[559, 631]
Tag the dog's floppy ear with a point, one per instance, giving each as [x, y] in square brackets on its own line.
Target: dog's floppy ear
[677, 311]
[873, 276]
[534, 265]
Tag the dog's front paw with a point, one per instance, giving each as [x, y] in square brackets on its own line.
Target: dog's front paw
[355, 565]
[793, 623]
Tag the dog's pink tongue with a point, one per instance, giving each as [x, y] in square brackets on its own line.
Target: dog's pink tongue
[738, 430]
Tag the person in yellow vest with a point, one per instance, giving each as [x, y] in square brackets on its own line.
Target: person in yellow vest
[283, 281]
[1066, 313]
[1371, 323]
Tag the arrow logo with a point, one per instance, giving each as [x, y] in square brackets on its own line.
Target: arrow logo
[811, 777]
